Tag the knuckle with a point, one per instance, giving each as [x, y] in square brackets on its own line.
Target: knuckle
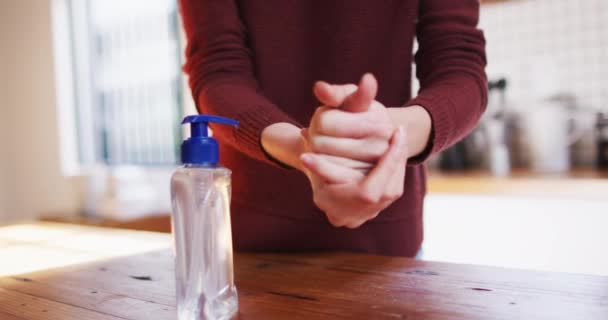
[367, 128]
[318, 112]
[324, 123]
[318, 201]
[316, 117]
[396, 194]
[367, 196]
[378, 148]
[343, 91]
[387, 197]
[399, 193]
[386, 131]
[317, 144]
[336, 221]
[374, 116]
[355, 224]
[383, 129]
[378, 127]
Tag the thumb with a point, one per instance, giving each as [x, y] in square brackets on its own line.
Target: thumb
[333, 95]
[362, 98]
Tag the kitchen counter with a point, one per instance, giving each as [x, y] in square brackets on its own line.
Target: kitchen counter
[526, 220]
[581, 184]
[60, 271]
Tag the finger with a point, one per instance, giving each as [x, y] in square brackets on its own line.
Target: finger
[375, 184]
[339, 123]
[329, 171]
[366, 149]
[362, 98]
[336, 221]
[356, 223]
[333, 95]
[305, 135]
[394, 189]
[361, 166]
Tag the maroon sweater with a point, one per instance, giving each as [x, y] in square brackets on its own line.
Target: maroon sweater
[256, 61]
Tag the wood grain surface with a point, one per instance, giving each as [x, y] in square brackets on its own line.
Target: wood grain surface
[132, 285]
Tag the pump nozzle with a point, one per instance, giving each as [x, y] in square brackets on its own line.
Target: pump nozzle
[200, 148]
[199, 123]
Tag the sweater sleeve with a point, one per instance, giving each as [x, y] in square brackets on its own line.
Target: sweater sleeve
[450, 65]
[221, 75]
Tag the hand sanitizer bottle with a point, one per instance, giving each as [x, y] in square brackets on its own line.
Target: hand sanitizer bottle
[200, 197]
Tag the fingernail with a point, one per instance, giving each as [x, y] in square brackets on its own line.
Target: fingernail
[318, 86]
[363, 78]
[321, 83]
[306, 158]
[368, 75]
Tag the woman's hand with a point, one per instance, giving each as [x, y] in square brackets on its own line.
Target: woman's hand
[350, 198]
[352, 154]
[354, 136]
[351, 124]
[284, 142]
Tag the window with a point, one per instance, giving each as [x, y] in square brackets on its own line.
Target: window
[127, 84]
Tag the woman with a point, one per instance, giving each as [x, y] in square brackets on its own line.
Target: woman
[332, 165]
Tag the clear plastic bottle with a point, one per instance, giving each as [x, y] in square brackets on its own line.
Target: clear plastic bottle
[200, 195]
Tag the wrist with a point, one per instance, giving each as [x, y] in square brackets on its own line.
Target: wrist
[282, 142]
[417, 121]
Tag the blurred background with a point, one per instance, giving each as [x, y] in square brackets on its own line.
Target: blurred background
[91, 95]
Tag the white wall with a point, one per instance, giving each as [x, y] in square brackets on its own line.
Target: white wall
[32, 184]
[550, 46]
[4, 208]
[3, 178]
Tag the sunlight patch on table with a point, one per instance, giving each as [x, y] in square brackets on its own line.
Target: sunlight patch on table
[47, 246]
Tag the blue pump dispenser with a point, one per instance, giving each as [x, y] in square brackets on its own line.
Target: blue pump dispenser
[200, 148]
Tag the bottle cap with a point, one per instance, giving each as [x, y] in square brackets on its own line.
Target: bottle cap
[200, 148]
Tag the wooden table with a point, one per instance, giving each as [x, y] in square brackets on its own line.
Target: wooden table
[56, 271]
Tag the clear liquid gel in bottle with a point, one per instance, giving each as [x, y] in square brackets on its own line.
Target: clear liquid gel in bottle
[200, 197]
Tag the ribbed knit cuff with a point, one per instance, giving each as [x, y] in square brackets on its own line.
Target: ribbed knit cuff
[442, 124]
[249, 134]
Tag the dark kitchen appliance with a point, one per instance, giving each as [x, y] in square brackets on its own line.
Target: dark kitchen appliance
[601, 127]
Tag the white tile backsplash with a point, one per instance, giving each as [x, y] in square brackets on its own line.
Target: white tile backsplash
[546, 47]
